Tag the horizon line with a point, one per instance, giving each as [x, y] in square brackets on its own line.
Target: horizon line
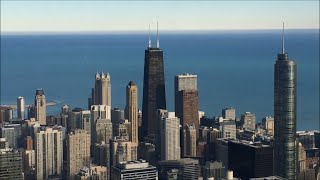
[164, 31]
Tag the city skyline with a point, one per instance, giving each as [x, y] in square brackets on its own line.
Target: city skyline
[57, 16]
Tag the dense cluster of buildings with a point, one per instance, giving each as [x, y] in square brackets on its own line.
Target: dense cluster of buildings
[101, 142]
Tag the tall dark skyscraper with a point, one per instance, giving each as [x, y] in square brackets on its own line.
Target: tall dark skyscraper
[154, 96]
[285, 105]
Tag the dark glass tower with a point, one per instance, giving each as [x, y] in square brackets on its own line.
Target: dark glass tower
[285, 105]
[154, 96]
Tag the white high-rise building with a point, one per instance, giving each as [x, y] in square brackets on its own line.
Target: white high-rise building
[40, 107]
[20, 107]
[49, 152]
[101, 93]
[170, 137]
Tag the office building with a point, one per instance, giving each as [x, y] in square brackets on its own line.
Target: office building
[154, 96]
[10, 162]
[20, 107]
[301, 159]
[227, 127]
[101, 155]
[170, 137]
[99, 172]
[49, 152]
[78, 150]
[13, 135]
[102, 130]
[148, 152]
[221, 151]
[214, 170]
[131, 111]
[229, 113]
[74, 119]
[138, 170]
[317, 139]
[248, 121]
[100, 112]
[28, 162]
[101, 93]
[190, 141]
[248, 160]
[40, 107]
[6, 114]
[189, 169]
[116, 116]
[85, 121]
[121, 150]
[268, 125]
[306, 138]
[285, 106]
[122, 129]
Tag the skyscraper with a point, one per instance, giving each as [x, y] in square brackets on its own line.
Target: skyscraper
[49, 152]
[78, 150]
[154, 96]
[10, 162]
[170, 137]
[285, 105]
[20, 107]
[131, 111]
[190, 136]
[248, 120]
[40, 107]
[101, 93]
[186, 99]
[186, 107]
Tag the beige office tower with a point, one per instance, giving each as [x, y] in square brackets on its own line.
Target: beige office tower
[40, 107]
[170, 137]
[131, 111]
[78, 151]
[268, 124]
[101, 93]
[229, 113]
[20, 107]
[248, 121]
[121, 150]
[190, 144]
[49, 152]
[102, 131]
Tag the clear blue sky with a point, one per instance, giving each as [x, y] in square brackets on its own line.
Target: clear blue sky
[136, 15]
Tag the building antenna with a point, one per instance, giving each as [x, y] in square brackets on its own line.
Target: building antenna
[149, 37]
[157, 35]
[282, 37]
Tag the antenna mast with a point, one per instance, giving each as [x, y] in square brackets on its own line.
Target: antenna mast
[157, 35]
[282, 37]
[149, 38]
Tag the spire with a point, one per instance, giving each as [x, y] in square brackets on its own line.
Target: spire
[282, 37]
[157, 35]
[149, 37]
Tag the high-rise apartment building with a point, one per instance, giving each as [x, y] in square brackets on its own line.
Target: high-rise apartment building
[248, 121]
[40, 107]
[49, 152]
[154, 96]
[101, 93]
[78, 150]
[170, 137]
[131, 111]
[285, 106]
[20, 107]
